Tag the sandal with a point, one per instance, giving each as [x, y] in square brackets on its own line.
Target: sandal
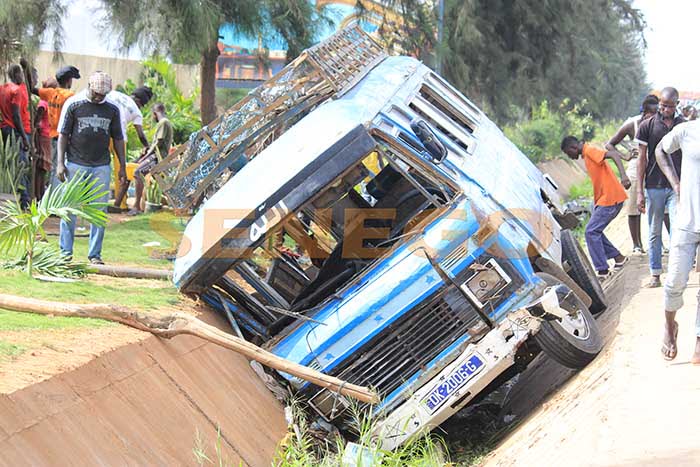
[620, 264]
[653, 283]
[669, 352]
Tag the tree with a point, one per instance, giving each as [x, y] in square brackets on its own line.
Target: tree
[188, 30]
[22, 25]
[509, 55]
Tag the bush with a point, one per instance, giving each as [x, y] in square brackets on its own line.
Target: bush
[539, 136]
[160, 76]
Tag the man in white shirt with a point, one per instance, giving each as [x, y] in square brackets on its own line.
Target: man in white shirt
[130, 111]
[686, 228]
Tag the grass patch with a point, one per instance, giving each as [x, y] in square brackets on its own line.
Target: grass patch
[123, 243]
[15, 321]
[582, 190]
[10, 351]
[117, 290]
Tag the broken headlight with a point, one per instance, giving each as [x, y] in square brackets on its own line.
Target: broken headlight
[486, 282]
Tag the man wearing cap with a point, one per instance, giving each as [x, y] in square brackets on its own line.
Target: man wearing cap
[88, 122]
[130, 110]
[55, 93]
[14, 108]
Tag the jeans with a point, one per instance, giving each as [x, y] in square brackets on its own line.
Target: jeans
[657, 200]
[67, 232]
[599, 247]
[683, 248]
[25, 181]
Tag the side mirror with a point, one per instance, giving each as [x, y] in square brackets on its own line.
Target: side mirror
[431, 143]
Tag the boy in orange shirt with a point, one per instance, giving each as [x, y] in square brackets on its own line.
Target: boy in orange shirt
[608, 196]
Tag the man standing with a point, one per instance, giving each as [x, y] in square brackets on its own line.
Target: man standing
[629, 130]
[608, 196]
[88, 122]
[14, 106]
[686, 227]
[162, 140]
[130, 111]
[55, 93]
[659, 194]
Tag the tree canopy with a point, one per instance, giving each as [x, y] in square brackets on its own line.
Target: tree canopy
[509, 55]
[188, 30]
[22, 25]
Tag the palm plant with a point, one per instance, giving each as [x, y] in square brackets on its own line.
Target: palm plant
[11, 168]
[20, 231]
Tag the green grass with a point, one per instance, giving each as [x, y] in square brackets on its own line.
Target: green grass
[119, 291]
[10, 351]
[123, 243]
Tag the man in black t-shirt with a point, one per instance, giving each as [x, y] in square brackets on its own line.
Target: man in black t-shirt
[88, 121]
[658, 195]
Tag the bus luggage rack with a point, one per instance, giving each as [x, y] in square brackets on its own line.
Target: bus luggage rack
[198, 168]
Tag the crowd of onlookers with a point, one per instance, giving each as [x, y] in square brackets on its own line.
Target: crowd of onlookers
[661, 180]
[60, 134]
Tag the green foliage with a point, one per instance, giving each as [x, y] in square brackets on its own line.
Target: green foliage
[539, 136]
[160, 76]
[49, 261]
[299, 448]
[11, 169]
[582, 190]
[509, 55]
[20, 229]
[20, 22]
[154, 194]
[227, 98]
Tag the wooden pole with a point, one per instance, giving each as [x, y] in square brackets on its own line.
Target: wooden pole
[174, 324]
[130, 272]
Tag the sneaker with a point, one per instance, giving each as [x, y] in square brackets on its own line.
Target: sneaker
[638, 251]
[603, 275]
[96, 260]
[664, 251]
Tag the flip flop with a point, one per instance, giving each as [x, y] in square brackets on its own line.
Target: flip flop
[666, 349]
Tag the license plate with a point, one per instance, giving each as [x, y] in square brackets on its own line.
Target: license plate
[453, 382]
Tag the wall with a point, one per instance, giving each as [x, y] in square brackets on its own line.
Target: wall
[118, 68]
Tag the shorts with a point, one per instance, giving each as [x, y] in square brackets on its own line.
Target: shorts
[145, 166]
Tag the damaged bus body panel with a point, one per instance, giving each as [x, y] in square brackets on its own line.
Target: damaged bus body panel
[391, 237]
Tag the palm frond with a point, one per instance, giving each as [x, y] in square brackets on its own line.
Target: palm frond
[49, 261]
[77, 197]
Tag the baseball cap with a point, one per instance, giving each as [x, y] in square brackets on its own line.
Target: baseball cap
[100, 82]
[68, 72]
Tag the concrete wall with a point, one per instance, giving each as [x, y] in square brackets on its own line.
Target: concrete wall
[146, 403]
[120, 69]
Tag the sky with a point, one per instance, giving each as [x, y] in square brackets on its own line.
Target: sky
[671, 36]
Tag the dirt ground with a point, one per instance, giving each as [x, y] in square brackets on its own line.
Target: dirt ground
[629, 407]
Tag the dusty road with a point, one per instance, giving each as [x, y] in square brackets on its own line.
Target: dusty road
[629, 407]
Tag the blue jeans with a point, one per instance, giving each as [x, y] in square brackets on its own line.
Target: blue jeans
[599, 247]
[67, 232]
[657, 200]
[680, 262]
